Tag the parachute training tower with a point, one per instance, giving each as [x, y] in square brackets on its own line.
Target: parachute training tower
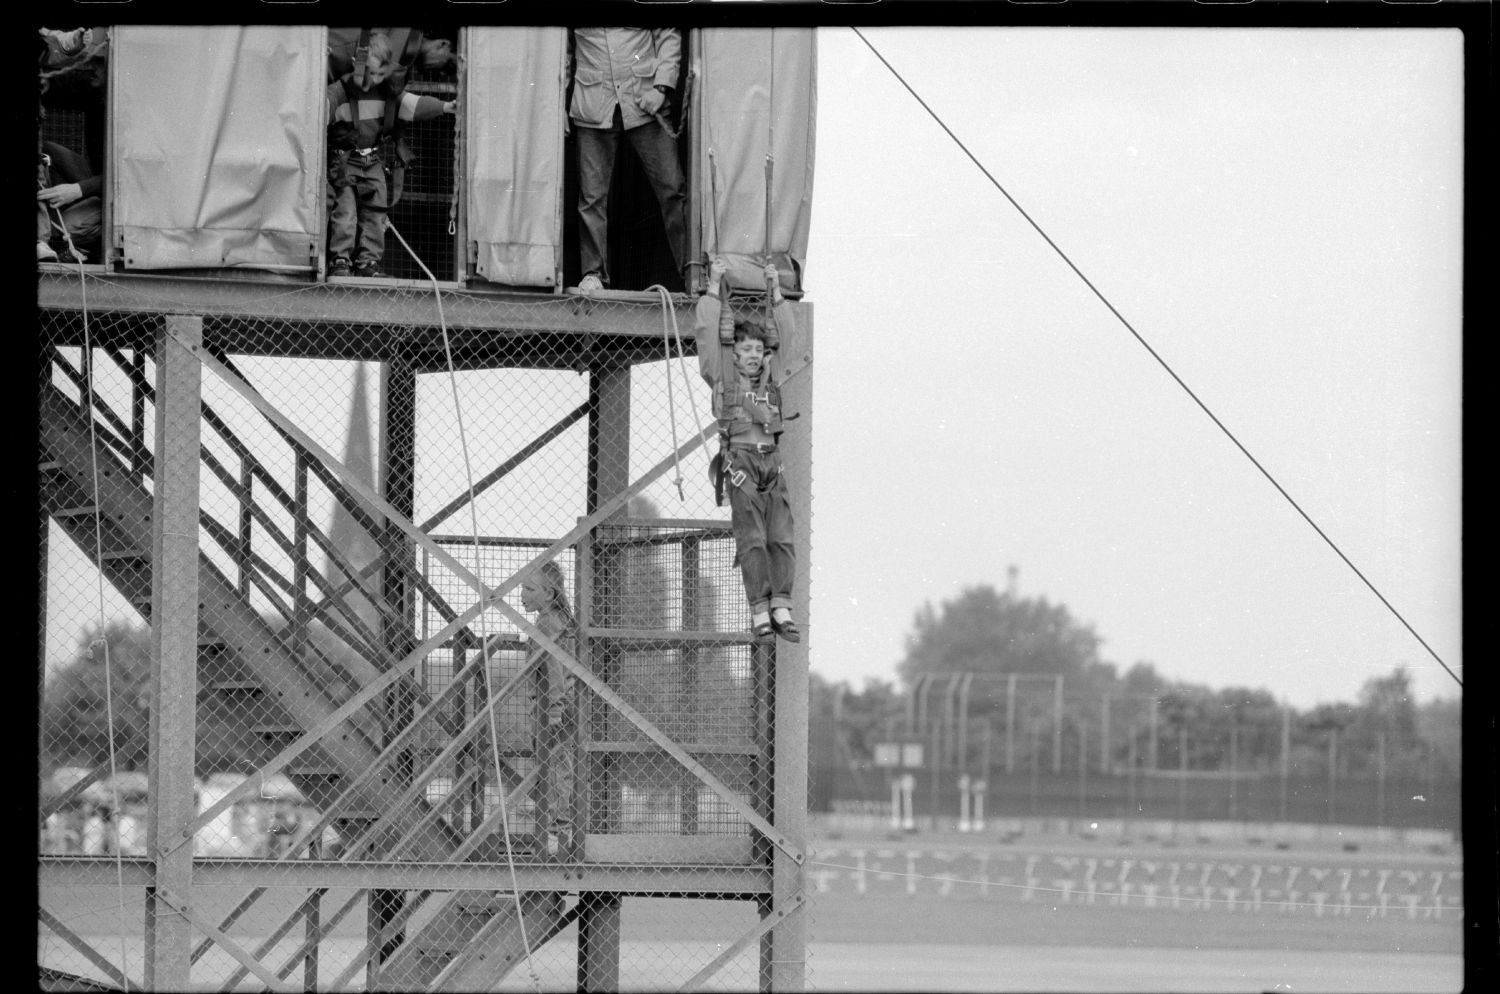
[361, 636]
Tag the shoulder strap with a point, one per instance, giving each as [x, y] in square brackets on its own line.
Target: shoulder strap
[413, 47]
[361, 57]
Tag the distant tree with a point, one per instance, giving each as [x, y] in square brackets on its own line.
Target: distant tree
[871, 715]
[73, 722]
[1440, 731]
[1388, 702]
[1142, 678]
[847, 724]
[1254, 716]
[985, 631]
[109, 677]
[1383, 728]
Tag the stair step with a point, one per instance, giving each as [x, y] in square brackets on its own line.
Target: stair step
[213, 643]
[48, 466]
[245, 686]
[80, 511]
[314, 771]
[271, 731]
[125, 554]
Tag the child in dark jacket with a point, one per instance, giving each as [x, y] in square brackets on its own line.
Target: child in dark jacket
[362, 108]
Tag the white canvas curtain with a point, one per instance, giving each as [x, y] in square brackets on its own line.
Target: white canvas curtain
[218, 148]
[757, 92]
[513, 120]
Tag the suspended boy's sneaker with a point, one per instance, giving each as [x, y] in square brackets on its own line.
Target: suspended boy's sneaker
[367, 269]
[590, 282]
[45, 252]
[340, 267]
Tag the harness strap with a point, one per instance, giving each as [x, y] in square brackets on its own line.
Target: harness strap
[413, 46]
[362, 57]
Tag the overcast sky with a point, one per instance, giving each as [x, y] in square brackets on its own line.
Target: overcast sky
[1277, 212]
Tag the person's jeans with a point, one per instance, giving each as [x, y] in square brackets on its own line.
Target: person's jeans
[356, 207]
[84, 218]
[555, 711]
[657, 151]
[761, 516]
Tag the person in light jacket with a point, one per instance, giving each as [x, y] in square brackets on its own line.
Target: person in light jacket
[623, 80]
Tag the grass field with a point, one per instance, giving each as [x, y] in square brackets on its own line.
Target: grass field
[913, 915]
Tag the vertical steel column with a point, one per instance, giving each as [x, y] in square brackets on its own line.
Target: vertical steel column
[786, 947]
[397, 442]
[174, 650]
[608, 474]
[44, 532]
[585, 818]
[687, 676]
[598, 941]
[139, 456]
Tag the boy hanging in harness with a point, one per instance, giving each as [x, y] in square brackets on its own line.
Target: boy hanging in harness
[363, 107]
[737, 359]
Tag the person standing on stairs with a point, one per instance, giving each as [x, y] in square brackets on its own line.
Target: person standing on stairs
[555, 711]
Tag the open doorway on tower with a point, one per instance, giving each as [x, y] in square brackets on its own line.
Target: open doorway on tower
[427, 205]
[72, 126]
[638, 251]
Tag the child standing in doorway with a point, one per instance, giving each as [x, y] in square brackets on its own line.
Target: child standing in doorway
[364, 107]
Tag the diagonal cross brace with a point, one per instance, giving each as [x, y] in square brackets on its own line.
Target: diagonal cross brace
[489, 598]
[770, 921]
[233, 948]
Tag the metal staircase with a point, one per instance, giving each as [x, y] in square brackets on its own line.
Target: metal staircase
[277, 683]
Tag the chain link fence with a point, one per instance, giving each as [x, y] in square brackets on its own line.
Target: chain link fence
[475, 709]
[1029, 746]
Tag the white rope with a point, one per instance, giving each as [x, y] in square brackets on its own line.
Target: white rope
[489, 689]
[103, 639]
[669, 329]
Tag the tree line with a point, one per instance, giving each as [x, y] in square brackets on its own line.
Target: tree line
[1132, 719]
[1383, 732]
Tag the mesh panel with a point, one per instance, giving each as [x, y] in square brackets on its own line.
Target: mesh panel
[363, 719]
[423, 213]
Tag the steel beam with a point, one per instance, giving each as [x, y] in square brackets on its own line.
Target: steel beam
[786, 944]
[174, 647]
[630, 878]
[302, 316]
[598, 941]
